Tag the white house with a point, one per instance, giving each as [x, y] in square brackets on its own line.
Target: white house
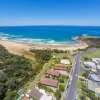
[65, 61]
[45, 96]
[90, 65]
[94, 83]
[96, 60]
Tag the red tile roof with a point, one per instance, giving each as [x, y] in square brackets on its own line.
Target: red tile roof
[49, 82]
[60, 67]
[25, 98]
[53, 72]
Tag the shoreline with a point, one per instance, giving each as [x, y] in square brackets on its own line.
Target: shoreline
[17, 47]
[39, 41]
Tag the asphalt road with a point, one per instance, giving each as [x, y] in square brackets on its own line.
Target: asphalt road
[71, 91]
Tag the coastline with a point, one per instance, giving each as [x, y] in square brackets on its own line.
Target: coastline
[17, 47]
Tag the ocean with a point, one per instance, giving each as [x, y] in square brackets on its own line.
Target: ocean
[47, 34]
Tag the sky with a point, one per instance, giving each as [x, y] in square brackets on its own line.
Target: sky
[49, 12]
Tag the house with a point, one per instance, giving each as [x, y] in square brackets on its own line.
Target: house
[97, 92]
[25, 97]
[38, 94]
[98, 67]
[94, 83]
[96, 60]
[52, 73]
[65, 61]
[61, 68]
[35, 93]
[61, 72]
[94, 77]
[49, 82]
[90, 65]
[45, 96]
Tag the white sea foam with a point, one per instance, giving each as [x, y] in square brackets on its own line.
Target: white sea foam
[19, 38]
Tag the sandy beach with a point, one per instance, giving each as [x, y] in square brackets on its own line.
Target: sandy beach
[18, 48]
[14, 47]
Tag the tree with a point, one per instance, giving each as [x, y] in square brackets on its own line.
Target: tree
[42, 56]
[61, 87]
[86, 59]
[3, 76]
[10, 95]
[58, 95]
[15, 71]
[12, 84]
[2, 91]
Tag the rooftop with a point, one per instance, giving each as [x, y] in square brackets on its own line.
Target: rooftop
[90, 64]
[35, 93]
[65, 61]
[96, 60]
[94, 77]
[97, 90]
[46, 97]
[53, 72]
[60, 67]
[25, 98]
[49, 82]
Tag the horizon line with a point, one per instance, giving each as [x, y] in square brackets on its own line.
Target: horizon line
[49, 25]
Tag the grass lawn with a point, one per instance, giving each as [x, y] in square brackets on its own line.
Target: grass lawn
[63, 86]
[91, 54]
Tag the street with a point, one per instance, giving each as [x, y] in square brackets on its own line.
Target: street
[71, 91]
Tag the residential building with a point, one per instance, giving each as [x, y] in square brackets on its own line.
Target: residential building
[96, 60]
[61, 68]
[94, 83]
[52, 73]
[25, 98]
[65, 61]
[49, 82]
[34, 93]
[90, 65]
[37, 94]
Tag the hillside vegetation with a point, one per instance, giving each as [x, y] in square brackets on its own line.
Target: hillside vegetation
[15, 71]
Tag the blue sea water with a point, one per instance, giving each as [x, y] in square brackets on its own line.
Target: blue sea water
[47, 34]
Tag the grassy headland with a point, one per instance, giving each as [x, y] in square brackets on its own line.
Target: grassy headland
[92, 41]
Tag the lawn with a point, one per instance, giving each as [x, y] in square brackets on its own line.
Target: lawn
[91, 54]
[63, 82]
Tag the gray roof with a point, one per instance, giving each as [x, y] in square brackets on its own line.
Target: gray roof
[95, 77]
[35, 93]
